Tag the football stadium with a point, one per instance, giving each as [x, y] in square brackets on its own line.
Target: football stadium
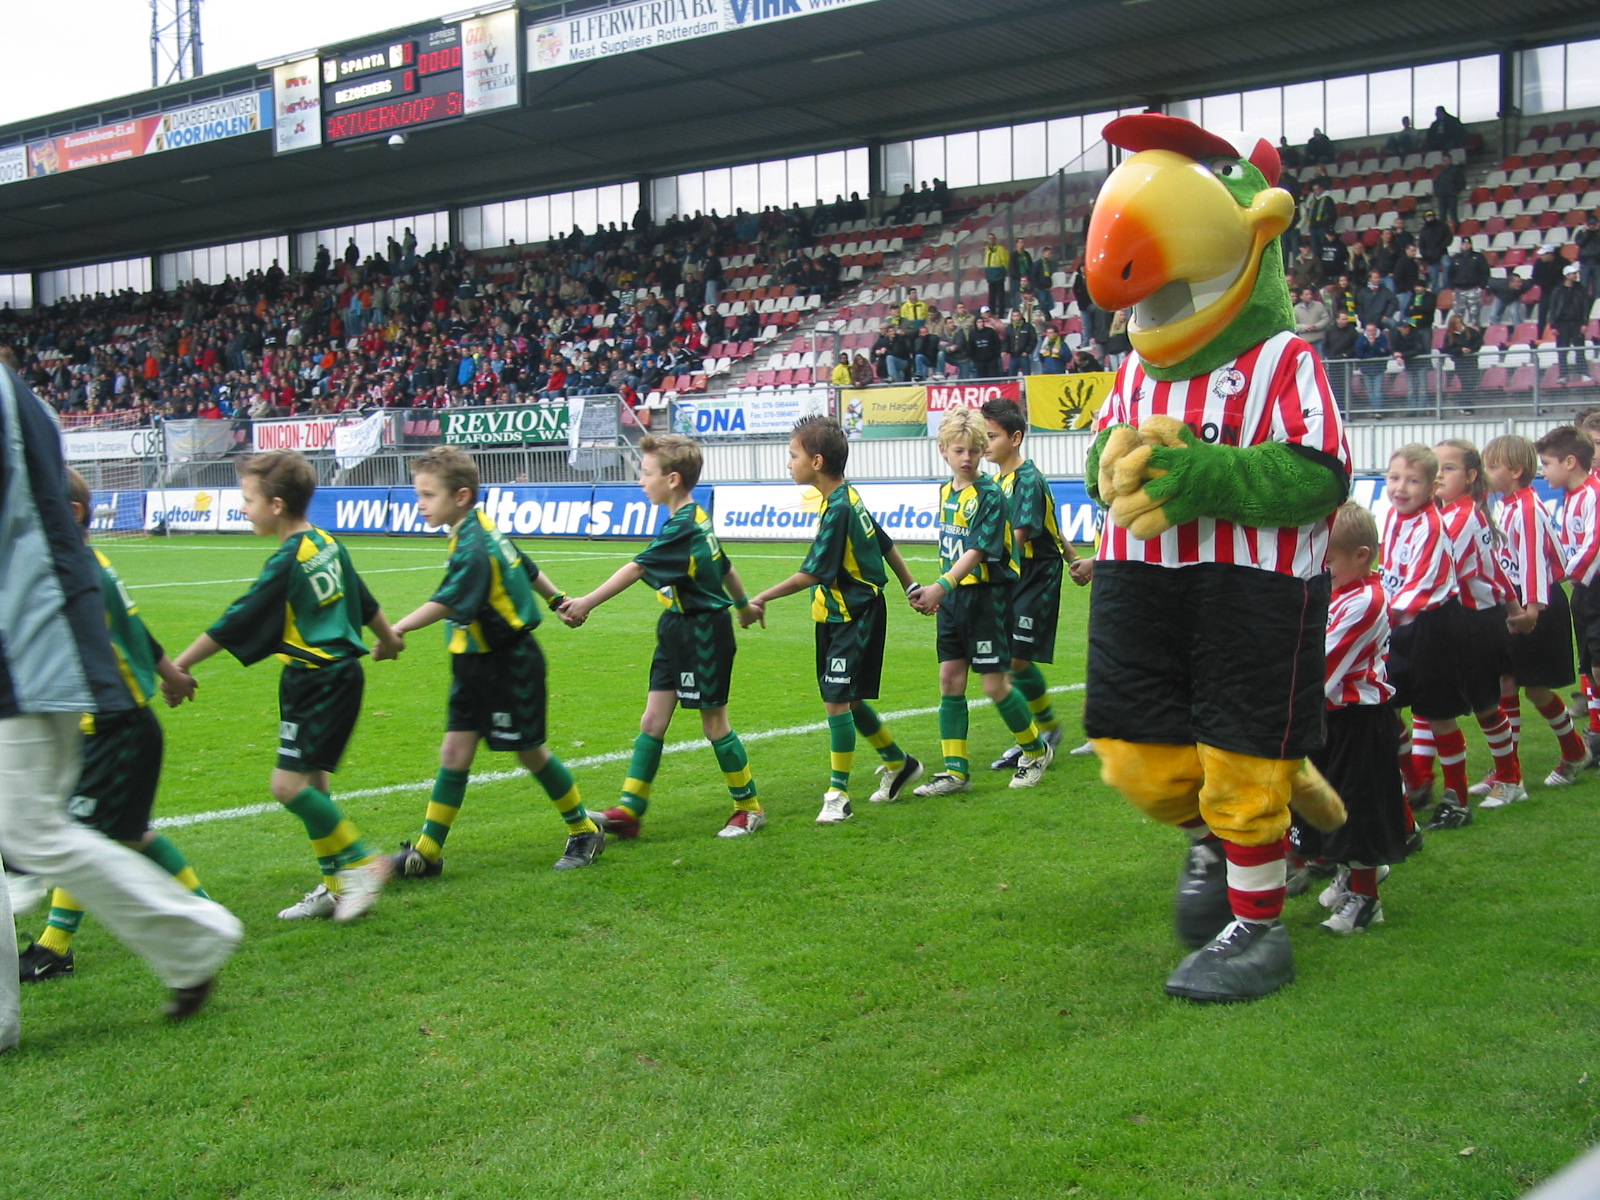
[475, 323]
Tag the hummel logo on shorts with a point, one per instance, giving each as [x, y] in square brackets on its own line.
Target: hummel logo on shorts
[836, 665]
[686, 679]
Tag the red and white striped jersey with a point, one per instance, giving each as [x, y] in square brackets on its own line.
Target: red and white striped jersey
[1474, 551]
[1529, 554]
[1358, 645]
[1418, 572]
[1275, 392]
[1577, 531]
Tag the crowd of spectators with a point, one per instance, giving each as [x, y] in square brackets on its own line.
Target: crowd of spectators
[615, 310]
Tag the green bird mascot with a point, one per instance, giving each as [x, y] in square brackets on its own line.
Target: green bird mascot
[1221, 457]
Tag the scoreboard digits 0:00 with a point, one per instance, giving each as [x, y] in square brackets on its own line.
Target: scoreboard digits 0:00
[432, 61]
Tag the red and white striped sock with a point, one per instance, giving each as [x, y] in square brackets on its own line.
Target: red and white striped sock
[1497, 732]
[1560, 721]
[1592, 697]
[1453, 763]
[1257, 879]
[1408, 762]
[1364, 881]
[1424, 749]
[1511, 705]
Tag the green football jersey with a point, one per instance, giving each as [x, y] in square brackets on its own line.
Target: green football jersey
[686, 565]
[488, 588]
[975, 516]
[137, 652]
[307, 607]
[846, 557]
[1033, 507]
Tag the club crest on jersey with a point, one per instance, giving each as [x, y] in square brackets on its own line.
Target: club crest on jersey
[969, 507]
[1229, 383]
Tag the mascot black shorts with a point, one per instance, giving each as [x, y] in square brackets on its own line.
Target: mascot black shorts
[1228, 656]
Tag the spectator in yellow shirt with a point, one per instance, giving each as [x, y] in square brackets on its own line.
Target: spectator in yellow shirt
[913, 313]
[996, 266]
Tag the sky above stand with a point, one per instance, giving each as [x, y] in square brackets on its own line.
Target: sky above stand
[92, 51]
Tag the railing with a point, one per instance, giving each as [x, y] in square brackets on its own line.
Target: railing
[1531, 383]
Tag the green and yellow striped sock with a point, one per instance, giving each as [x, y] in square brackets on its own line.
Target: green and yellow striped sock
[562, 788]
[871, 728]
[444, 805]
[1030, 682]
[953, 735]
[334, 839]
[66, 915]
[1014, 712]
[841, 751]
[171, 860]
[735, 764]
[641, 778]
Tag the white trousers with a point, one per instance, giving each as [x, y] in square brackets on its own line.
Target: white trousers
[183, 937]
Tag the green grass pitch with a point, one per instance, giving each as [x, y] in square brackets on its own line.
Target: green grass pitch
[941, 999]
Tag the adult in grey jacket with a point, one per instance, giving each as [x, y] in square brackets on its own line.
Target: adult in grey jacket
[56, 663]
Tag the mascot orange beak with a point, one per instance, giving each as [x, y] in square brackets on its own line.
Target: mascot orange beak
[1170, 241]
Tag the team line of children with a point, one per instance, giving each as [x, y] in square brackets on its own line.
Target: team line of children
[1465, 615]
[996, 602]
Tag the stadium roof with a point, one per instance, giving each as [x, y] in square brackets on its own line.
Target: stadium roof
[875, 72]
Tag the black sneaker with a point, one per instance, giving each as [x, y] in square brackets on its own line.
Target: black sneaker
[1414, 842]
[185, 1002]
[410, 863]
[1246, 961]
[1451, 813]
[892, 784]
[1201, 908]
[36, 964]
[582, 849]
[1008, 760]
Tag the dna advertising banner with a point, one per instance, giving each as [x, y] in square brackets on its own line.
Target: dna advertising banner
[1057, 402]
[776, 412]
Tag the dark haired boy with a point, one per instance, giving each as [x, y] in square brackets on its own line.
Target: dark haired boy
[1038, 549]
[693, 664]
[845, 574]
[307, 607]
[497, 688]
[1566, 460]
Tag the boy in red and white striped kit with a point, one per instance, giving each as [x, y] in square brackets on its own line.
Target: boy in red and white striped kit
[1540, 655]
[1588, 420]
[1429, 626]
[1566, 460]
[1359, 756]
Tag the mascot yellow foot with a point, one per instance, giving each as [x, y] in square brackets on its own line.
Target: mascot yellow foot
[1242, 950]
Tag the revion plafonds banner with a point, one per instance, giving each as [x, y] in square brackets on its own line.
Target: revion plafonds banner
[603, 32]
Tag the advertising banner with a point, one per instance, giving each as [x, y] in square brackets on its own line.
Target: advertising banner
[506, 425]
[196, 510]
[908, 512]
[1057, 402]
[602, 32]
[86, 444]
[775, 412]
[190, 440]
[13, 164]
[232, 116]
[518, 510]
[489, 74]
[942, 397]
[296, 106]
[885, 411]
[354, 444]
[305, 434]
[116, 511]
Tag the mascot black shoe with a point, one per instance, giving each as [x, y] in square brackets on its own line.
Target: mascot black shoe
[1221, 457]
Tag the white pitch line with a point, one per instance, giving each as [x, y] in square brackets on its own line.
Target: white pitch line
[592, 760]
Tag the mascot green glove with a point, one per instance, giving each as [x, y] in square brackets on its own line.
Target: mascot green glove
[1220, 457]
